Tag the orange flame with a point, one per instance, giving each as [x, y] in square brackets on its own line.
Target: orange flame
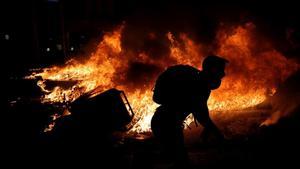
[253, 73]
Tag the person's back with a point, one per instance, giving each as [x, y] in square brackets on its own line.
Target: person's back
[180, 88]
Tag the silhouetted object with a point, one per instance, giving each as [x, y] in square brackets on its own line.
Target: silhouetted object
[182, 90]
[92, 121]
[110, 108]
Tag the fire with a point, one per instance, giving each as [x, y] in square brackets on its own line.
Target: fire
[254, 71]
[144, 107]
[93, 73]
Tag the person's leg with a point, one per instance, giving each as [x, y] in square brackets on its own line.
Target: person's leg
[170, 134]
[164, 133]
[181, 155]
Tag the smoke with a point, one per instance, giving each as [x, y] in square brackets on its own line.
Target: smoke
[141, 75]
[285, 101]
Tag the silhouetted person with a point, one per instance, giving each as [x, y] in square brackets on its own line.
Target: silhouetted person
[181, 90]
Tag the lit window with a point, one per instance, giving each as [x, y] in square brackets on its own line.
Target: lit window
[6, 36]
[59, 46]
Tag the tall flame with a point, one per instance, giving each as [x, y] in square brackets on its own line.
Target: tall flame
[254, 71]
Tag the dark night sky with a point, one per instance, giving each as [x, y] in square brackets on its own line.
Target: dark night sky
[30, 23]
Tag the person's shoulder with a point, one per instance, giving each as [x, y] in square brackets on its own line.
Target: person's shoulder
[183, 68]
[202, 82]
[202, 77]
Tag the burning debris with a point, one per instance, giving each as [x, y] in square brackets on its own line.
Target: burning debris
[111, 105]
[254, 73]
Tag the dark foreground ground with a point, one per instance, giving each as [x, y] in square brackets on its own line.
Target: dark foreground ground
[100, 146]
[248, 146]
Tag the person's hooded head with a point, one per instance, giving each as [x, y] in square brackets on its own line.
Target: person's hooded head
[214, 69]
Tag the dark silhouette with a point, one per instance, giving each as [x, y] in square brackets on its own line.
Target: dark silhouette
[181, 90]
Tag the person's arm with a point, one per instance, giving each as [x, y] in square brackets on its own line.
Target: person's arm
[202, 116]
